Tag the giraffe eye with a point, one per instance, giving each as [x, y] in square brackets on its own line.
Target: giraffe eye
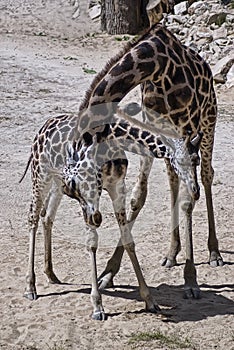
[183, 161]
[84, 186]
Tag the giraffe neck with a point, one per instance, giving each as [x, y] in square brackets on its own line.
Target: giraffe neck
[181, 82]
[132, 139]
[57, 133]
[136, 64]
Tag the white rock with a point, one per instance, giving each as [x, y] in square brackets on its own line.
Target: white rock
[76, 13]
[198, 7]
[95, 11]
[222, 67]
[77, 7]
[220, 33]
[176, 18]
[181, 8]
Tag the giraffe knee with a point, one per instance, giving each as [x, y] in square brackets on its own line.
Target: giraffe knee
[129, 247]
[47, 222]
[207, 175]
[43, 212]
[187, 207]
[121, 217]
[138, 202]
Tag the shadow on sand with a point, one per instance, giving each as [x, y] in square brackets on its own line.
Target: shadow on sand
[170, 298]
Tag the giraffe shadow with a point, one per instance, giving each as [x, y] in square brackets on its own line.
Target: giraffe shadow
[227, 252]
[170, 298]
[207, 263]
[171, 301]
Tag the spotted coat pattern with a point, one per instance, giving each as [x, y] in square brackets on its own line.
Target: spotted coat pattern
[177, 93]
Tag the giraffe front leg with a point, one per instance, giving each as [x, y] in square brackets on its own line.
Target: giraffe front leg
[30, 290]
[117, 194]
[175, 246]
[137, 201]
[96, 298]
[129, 245]
[191, 288]
[111, 176]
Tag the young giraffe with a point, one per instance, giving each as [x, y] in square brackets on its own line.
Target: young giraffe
[84, 179]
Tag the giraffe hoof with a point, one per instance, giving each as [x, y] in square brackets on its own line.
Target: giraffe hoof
[99, 316]
[30, 295]
[151, 304]
[216, 260]
[52, 278]
[168, 263]
[192, 293]
[155, 309]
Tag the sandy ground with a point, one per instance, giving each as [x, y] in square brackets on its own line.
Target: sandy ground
[43, 53]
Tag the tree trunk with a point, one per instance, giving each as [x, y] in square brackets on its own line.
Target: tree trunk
[123, 16]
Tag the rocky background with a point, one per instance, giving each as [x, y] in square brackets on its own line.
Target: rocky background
[206, 26]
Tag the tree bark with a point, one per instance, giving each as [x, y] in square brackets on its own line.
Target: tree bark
[123, 16]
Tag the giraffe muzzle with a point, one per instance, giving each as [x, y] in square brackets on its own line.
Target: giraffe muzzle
[95, 219]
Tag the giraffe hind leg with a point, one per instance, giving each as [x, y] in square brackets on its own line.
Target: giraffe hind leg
[112, 172]
[35, 207]
[30, 290]
[48, 215]
[191, 288]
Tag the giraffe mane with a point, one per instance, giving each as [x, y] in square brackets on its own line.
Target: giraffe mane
[110, 64]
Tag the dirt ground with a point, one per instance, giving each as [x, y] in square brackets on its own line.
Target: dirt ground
[43, 58]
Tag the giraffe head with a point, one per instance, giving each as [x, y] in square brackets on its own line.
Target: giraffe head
[184, 158]
[156, 8]
[81, 183]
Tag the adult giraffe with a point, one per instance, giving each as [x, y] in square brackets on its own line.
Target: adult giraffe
[182, 93]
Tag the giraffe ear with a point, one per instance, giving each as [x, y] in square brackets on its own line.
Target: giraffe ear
[71, 154]
[196, 140]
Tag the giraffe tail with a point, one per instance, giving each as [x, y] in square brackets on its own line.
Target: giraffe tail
[26, 169]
